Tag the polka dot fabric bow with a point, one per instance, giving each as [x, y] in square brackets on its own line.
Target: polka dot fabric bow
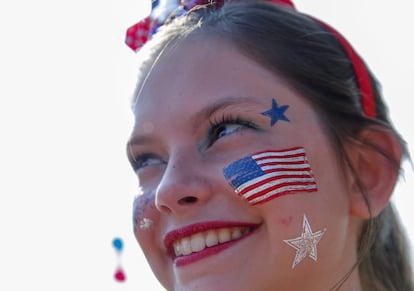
[163, 10]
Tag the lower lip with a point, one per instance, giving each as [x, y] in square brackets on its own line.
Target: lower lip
[207, 252]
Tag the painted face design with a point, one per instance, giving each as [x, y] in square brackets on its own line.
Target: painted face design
[145, 223]
[142, 206]
[305, 244]
[267, 175]
[276, 113]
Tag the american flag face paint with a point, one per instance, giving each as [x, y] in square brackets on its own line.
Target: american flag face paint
[267, 175]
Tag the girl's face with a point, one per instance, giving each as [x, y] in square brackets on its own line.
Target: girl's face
[204, 107]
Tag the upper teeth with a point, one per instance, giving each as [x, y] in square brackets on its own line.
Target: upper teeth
[199, 241]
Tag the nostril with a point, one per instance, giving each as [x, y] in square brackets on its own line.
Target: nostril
[187, 200]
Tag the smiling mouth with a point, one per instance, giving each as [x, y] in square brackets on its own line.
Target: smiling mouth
[210, 238]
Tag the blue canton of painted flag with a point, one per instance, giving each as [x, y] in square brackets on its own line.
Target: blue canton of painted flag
[241, 171]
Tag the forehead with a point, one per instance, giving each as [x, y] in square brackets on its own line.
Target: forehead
[200, 82]
[200, 71]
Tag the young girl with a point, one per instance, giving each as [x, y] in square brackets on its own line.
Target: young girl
[265, 156]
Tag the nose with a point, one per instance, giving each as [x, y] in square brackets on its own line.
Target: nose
[184, 185]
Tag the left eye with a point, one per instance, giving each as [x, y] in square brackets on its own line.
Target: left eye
[226, 129]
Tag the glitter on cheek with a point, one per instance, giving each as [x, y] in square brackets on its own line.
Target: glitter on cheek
[270, 174]
[145, 223]
[143, 206]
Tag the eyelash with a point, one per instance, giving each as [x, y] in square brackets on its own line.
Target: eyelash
[217, 124]
[138, 162]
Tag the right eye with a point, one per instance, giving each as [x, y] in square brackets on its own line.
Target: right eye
[145, 160]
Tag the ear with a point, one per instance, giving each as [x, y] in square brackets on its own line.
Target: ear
[375, 160]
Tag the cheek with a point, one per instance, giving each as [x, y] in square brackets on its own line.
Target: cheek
[333, 183]
[146, 229]
[270, 174]
[144, 217]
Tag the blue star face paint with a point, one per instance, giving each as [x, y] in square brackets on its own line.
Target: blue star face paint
[267, 175]
[276, 113]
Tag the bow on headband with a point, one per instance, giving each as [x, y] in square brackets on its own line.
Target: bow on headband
[138, 34]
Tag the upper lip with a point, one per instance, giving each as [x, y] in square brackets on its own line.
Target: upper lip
[191, 229]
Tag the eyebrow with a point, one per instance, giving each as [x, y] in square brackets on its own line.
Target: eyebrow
[139, 140]
[199, 116]
[136, 140]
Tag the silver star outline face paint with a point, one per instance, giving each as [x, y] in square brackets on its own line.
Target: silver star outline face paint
[305, 244]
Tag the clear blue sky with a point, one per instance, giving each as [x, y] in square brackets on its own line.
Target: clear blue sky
[66, 78]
